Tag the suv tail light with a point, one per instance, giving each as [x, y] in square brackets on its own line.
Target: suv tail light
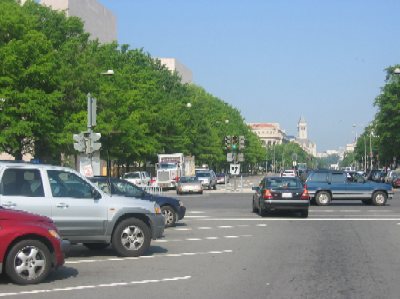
[267, 194]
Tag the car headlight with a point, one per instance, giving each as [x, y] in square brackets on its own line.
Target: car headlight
[157, 209]
[54, 234]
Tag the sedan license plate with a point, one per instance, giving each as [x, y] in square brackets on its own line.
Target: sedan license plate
[287, 195]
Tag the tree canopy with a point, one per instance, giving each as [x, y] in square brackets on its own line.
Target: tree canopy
[49, 64]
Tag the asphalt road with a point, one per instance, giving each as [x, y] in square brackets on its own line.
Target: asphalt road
[222, 250]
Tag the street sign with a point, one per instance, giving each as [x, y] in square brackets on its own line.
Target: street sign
[229, 157]
[91, 111]
[240, 157]
[234, 169]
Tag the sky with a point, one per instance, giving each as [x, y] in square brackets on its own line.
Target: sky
[276, 60]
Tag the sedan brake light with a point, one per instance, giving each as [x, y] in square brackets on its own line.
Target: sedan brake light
[305, 194]
[267, 194]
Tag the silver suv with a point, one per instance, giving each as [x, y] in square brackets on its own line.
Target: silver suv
[208, 178]
[81, 211]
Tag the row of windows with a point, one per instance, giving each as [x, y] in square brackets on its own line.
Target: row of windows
[28, 183]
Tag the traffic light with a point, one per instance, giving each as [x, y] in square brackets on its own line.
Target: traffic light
[242, 141]
[235, 142]
[228, 142]
[79, 143]
[93, 138]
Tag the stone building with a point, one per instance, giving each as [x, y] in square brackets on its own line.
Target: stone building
[98, 20]
[269, 133]
[175, 66]
[302, 138]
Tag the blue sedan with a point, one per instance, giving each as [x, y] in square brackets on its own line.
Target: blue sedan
[172, 208]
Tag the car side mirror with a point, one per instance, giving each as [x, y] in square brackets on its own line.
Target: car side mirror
[96, 194]
[256, 188]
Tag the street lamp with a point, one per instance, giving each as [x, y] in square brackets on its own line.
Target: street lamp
[370, 146]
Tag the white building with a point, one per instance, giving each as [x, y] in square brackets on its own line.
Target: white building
[269, 133]
[175, 66]
[98, 20]
[302, 139]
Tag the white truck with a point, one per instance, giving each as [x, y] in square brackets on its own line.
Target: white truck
[171, 167]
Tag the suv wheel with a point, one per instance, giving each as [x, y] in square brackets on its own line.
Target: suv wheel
[28, 262]
[323, 198]
[379, 198]
[169, 215]
[131, 237]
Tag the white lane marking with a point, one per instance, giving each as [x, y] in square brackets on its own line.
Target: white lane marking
[225, 226]
[152, 256]
[261, 224]
[305, 219]
[195, 212]
[204, 227]
[398, 223]
[183, 228]
[199, 216]
[196, 239]
[103, 285]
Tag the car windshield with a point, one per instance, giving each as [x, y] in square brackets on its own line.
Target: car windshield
[203, 174]
[125, 188]
[167, 165]
[131, 175]
[283, 183]
[187, 179]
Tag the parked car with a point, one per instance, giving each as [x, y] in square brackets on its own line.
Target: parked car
[327, 185]
[222, 178]
[189, 184]
[281, 193]
[396, 182]
[288, 173]
[391, 176]
[172, 208]
[139, 178]
[82, 212]
[376, 175]
[207, 178]
[30, 246]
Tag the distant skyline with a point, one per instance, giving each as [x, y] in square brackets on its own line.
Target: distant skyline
[276, 60]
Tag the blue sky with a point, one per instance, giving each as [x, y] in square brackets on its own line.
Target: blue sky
[276, 60]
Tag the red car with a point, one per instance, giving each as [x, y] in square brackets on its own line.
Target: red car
[30, 246]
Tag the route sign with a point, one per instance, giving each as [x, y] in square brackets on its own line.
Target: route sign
[234, 169]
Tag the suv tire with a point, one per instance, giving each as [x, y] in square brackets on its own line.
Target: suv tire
[323, 198]
[35, 255]
[379, 198]
[131, 237]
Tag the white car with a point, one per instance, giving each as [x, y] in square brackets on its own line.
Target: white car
[288, 173]
[139, 178]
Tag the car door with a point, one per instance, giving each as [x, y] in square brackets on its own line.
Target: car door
[21, 188]
[338, 185]
[75, 210]
[358, 188]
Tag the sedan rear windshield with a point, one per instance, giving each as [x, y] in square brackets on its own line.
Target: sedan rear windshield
[283, 183]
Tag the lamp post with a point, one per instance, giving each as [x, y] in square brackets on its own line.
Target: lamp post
[365, 153]
[370, 147]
